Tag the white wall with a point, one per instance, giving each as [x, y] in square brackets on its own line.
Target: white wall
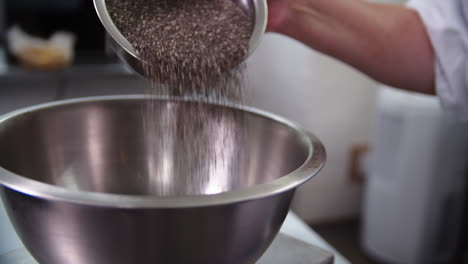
[328, 98]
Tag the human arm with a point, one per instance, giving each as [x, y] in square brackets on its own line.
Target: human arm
[388, 43]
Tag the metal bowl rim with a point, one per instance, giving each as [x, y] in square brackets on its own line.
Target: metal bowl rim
[312, 165]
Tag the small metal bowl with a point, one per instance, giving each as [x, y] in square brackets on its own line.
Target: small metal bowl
[257, 10]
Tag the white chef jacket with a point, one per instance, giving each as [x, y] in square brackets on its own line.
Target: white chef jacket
[446, 22]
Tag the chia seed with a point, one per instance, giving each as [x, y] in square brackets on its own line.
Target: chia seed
[193, 47]
[196, 49]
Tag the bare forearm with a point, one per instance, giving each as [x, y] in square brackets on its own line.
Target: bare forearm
[389, 43]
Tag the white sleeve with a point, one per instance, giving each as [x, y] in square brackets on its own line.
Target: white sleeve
[447, 25]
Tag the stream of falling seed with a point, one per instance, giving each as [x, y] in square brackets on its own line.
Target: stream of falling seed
[193, 49]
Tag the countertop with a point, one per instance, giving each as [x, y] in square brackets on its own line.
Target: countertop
[295, 227]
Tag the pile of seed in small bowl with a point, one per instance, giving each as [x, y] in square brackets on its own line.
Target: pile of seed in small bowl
[190, 46]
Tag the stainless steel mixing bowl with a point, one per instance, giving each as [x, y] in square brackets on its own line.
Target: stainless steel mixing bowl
[257, 10]
[88, 181]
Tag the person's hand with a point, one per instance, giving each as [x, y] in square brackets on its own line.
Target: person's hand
[278, 11]
[387, 42]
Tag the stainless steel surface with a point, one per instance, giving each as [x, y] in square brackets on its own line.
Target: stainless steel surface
[255, 9]
[77, 187]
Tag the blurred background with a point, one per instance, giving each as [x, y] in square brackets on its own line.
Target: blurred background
[393, 189]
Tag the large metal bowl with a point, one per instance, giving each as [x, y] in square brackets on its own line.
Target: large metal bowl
[83, 182]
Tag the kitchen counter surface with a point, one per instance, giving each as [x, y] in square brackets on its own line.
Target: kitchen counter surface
[295, 227]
